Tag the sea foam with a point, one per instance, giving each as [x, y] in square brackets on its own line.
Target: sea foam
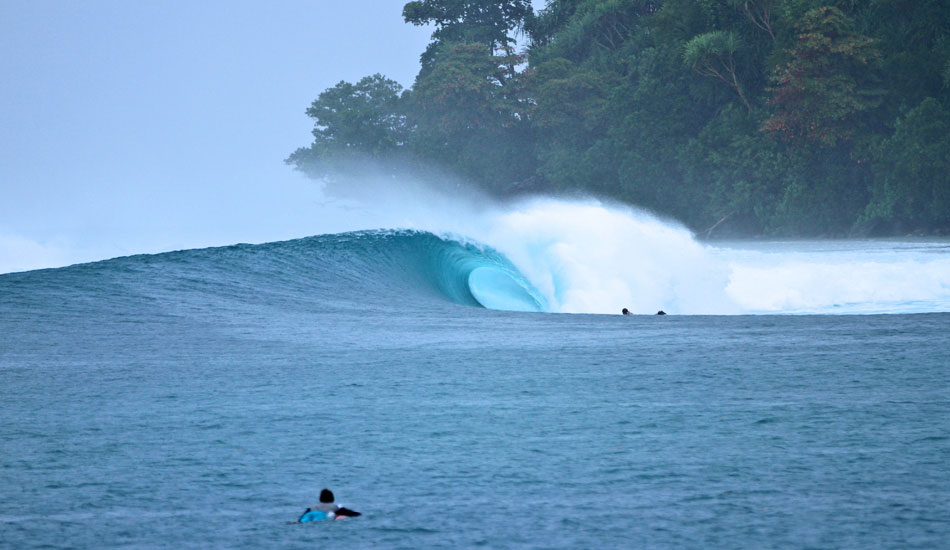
[589, 256]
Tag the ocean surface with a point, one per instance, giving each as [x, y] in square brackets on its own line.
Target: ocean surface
[482, 390]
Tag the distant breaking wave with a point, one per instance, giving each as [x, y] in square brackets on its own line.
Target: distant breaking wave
[587, 257]
[540, 256]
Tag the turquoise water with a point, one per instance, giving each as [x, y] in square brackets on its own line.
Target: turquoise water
[203, 398]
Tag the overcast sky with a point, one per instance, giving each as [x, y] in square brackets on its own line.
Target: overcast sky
[143, 126]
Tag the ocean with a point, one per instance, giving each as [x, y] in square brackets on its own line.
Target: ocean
[481, 389]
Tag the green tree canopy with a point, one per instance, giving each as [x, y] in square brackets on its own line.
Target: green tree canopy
[713, 54]
[469, 107]
[353, 120]
[827, 84]
[913, 177]
[814, 117]
[486, 22]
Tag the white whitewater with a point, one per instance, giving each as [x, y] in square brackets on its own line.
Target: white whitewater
[592, 257]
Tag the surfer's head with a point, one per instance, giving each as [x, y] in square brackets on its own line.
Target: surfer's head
[625, 311]
[326, 495]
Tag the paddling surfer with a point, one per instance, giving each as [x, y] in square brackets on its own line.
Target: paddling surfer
[326, 509]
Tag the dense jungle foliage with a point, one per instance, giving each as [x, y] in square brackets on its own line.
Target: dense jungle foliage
[738, 117]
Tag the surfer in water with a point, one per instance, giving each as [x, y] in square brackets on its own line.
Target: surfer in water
[326, 509]
[627, 312]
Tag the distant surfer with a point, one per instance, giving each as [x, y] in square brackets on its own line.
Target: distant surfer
[326, 509]
[626, 311]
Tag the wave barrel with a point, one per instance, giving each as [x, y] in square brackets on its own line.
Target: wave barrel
[496, 288]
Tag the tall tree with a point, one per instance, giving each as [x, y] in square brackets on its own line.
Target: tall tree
[713, 54]
[485, 22]
[592, 28]
[912, 187]
[760, 12]
[469, 112]
[353, 120]
[827, 84]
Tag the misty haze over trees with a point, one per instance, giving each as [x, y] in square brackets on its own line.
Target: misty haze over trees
[738, 117]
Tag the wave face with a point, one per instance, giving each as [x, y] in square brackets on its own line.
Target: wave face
[543, 255]
[406, 269]
[366, 270]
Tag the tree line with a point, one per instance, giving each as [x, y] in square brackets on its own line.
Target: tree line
[737, 117]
